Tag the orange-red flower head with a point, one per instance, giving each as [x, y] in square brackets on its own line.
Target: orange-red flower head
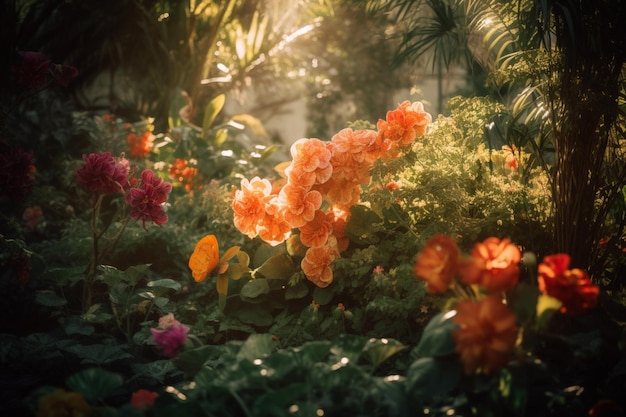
[437, 263]
[486, 335]
[402, 126]
[494, 265]
[571, 286]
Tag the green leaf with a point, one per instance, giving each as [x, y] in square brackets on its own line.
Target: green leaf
[49, 298]
[277, 267]
[255, 315]
[266, 251]
[257, 346]
[94, 383]
[254, 288]
[99, 354]
[379, 350]
[349, 346]
[165, 283]
[323, 296]
[192, 360]
[113, 276]
[437, 338]
[296, 291]
[430, 377]
[211, 111]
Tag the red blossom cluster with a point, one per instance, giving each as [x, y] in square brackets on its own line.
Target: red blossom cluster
[487, 329]
[104, 174]
[320, 184]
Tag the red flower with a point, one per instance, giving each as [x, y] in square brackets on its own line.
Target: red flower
[143, 399]
[486, 335]
[494, 265]
[437, 263]
[170, 336]
[103, 174]
[147, 200]
[571, 286]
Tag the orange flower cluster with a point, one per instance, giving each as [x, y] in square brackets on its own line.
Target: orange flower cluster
[570, 286]
[320, 184]
[493, 264]
[140, 146]
[487, 329]
[183, 173]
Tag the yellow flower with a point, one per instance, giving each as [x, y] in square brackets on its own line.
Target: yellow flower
[61, 403]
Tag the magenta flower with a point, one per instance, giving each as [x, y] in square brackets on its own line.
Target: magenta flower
[103, 174]
[170, 336]
[146, 201]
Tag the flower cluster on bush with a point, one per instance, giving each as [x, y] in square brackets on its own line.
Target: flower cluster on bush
[320, 185]
[487, 331]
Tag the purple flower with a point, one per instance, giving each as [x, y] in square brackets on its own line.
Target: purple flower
[170, 336]
[146, 201]
[103, 174]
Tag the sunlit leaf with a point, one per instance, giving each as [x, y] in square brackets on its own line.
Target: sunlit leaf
[277, 267]
[222, 285]
[212, 110]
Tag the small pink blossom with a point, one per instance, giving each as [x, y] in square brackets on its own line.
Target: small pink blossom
[170, 335]
[146, 200]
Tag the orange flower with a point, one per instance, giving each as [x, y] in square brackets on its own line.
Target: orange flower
[359, 144]
[311, 163]
[402, 126]
[571, 286]
[316, 264]
[338, 219]
[61, 403]
[316, 232]
[143, 399]
[437, 263]
[493, 265]
[273, 228]
[486, 335]
[183, 173]
[299, 204]
[249, 205]
[140, 146]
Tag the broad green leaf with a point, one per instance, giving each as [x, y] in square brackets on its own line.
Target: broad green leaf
[257, 346]
[277, 267]
[363, 224]
[296, 291]
[348, 346]
[94, 383]
[211, 111]
[323, 296]
[379, 350]
[255, 315]
[437, 338]
[431, 377]
[254, 288]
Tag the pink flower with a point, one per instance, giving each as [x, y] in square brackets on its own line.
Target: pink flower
[103, 174]
[147, 200]
[170, 336]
